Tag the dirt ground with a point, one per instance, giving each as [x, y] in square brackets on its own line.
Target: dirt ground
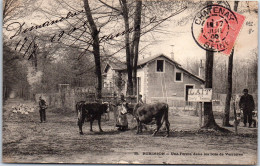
[26, 140]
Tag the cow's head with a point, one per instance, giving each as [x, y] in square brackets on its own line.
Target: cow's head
[105, 107]
[128, 107]
[132, 107]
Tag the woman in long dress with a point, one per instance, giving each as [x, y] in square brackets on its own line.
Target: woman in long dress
[121, 120]
[114, 104]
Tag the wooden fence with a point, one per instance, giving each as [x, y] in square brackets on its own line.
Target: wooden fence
[70, 97]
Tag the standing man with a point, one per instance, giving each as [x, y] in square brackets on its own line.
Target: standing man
[43, 106]
[140, 99]
[247, 104]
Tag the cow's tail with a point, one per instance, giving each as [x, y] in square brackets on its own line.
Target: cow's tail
[165, 115]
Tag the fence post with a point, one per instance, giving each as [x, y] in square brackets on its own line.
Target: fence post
[200, 105]
[235, 114]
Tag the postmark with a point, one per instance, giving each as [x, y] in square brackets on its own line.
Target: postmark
[215, 28]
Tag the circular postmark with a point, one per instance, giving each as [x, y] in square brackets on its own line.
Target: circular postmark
[211, 28]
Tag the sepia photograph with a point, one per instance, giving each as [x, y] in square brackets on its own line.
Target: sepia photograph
[130, 82]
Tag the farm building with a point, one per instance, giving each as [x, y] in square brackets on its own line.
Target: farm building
[160, 78]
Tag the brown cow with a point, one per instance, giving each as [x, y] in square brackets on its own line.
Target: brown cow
[146, 113]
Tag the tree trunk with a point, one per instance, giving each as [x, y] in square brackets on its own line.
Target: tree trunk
[135, 44]
[5, 94]
[96, 51]
[127, 47]
[209, 121]
[229, 84]
[229, 91]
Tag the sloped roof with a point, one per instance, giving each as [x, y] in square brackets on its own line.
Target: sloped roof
[115, 64]
[152, 58]
[190, 73]
[119, 65]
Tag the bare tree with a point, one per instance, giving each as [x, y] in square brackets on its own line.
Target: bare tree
[96, 50]
[131, 43]
[13, 9]
[229, 84]
[124, 7]
[136, 40]
[229, 91]
[209, 120]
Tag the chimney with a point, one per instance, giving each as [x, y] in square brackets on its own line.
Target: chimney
[172, 56]
[201, 69]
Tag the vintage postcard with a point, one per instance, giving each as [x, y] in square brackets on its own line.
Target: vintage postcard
[130, 82]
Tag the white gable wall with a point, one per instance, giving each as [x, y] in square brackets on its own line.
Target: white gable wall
[140, 74]
[109, 79]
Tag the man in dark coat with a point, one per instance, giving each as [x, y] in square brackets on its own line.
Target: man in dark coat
[247, 104]
[43, 106]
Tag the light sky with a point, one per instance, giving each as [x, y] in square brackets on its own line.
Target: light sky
[179, 34]
[185, 47]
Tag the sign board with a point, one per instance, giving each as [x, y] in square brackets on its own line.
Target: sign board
[200, 95]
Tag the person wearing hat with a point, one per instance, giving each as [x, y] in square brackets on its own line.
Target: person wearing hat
[247, 104]
[43, 106]
[140, 99]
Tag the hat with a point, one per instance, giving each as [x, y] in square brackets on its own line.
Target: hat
[245, 90]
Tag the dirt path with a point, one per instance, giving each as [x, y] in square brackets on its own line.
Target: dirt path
[58, 141]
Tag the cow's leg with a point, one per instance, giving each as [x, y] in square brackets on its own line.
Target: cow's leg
[138, 126]
[91, 123]
[167, 124]
[99, 124]
[158, 124]
[81, 118]
[80, 127]
[254, 123]
[141, 127]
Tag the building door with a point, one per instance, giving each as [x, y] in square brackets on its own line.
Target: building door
[187, 87]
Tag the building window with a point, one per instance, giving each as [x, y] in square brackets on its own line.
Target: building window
[160, 66]
[178, 76]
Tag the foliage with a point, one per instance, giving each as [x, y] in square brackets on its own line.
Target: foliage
[14, 75]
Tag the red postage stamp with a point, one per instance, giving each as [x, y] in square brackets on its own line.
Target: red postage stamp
[215, 28]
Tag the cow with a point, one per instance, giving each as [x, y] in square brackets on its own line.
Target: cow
[91, 111]
[147, 113]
